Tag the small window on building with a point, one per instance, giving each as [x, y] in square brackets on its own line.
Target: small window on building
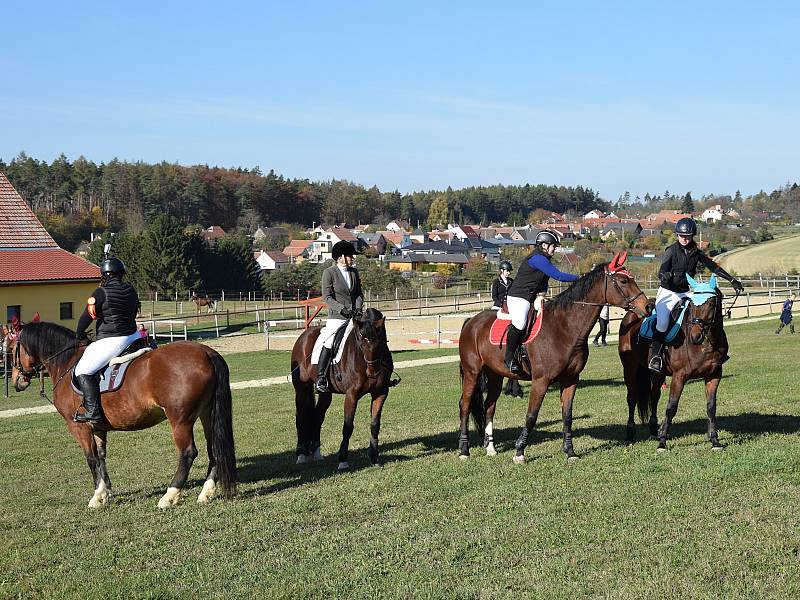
[65, 310]
[13, 311]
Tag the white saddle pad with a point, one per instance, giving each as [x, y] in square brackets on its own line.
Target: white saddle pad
[318, 346]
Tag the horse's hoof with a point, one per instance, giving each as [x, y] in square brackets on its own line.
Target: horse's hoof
[519, 460]
[317, 456]
[661, 449]
[207, 493]
[491, 451]
[343, 466]
[573, 458]
[301, 459]
[463, 456]
[170, 498]
[717, 448]
[97, 502]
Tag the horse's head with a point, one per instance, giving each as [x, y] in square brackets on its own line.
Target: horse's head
[706, 303]
[24, 363]
[621, 288]
[371, 338]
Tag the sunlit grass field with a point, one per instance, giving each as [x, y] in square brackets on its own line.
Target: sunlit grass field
[623, 522]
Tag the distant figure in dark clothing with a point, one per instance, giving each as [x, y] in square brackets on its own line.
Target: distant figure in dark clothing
[501, 284]
[603, 321]
[786, 315]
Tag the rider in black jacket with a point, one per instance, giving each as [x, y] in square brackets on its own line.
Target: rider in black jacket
[680, 259]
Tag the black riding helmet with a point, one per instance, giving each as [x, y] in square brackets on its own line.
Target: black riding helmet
[342, 248]
[547, 237]
[506, 266]
[686, 226]
[112, 266]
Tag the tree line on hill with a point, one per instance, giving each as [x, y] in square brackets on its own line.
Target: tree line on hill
[75, 197]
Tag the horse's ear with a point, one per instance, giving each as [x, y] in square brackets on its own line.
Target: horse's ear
[36, 318]
[614, 264]
[379, 322]
[622, 258]
[692, 283]
[713, 281]
[15, 324]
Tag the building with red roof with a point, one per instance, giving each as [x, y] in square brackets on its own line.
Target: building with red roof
[36, 276]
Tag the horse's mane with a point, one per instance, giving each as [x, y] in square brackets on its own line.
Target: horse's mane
[46, 339]
[368, 328]
[578, 289]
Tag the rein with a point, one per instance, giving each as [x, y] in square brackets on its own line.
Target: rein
[39, 368]
[628, 300]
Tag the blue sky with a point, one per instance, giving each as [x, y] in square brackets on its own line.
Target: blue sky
[415, 95]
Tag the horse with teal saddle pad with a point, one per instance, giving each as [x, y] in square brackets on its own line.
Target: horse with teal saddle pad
[698, 349]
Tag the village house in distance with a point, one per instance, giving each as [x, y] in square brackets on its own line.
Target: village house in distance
[36, 276]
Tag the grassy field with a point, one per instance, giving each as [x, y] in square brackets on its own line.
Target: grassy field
[778, 256]
[624, 522]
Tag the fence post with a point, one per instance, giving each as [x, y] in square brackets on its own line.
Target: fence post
[439, 331]
[216, 324]
[185, 332]
[227, 319]
[266, 332]
[769, 299]
[747, 296]
[258, 322]
[171, 332]
[153, 329]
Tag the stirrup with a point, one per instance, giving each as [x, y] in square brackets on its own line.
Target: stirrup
[656, 364]
[321, 385]
[83, 417]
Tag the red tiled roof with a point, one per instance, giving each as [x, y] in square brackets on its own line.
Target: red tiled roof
[19, 227]
[44, 264]
[213, 232]
[277, 256]
[295, 247]
[343, 234]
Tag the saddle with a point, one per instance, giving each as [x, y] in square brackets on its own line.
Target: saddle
[499, 328]
[675, 321]
[111, 376]
[338, 345]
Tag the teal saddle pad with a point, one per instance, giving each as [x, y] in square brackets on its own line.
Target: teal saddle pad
[649, 324]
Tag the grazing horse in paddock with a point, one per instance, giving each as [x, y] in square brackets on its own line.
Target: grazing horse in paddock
[181, 382]
[204, 300]
[698, 351]
[558, 353]
[366, 366]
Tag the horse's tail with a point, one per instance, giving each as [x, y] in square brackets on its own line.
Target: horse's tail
[222, 425]
[642, 384]
[476, 405]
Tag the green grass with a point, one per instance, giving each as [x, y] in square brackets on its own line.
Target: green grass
[778, 256]
[624, 522]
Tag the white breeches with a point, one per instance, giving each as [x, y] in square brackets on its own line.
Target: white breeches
[98, 353]
[666, 300]
[519, 308]
[329, 331]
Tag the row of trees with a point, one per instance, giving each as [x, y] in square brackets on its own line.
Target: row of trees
[166, 257]
[128, 195]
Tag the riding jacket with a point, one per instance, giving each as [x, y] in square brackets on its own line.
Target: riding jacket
[339, 294]
[500, 290]
[534, 274]
[678, 261]
[114, 305]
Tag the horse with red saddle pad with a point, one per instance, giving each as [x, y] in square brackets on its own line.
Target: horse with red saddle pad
[557, 347]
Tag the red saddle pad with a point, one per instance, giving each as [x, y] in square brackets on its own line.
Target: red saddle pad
[497, 333]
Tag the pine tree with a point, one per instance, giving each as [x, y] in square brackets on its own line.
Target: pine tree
[687, 206]
[166, 260]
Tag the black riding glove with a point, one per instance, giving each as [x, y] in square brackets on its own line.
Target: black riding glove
[737, 285]
[346, 313]
[665, 278]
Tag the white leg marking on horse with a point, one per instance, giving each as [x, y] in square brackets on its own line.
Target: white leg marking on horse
[490, 449]
[101, 496]
[520, 460]
[343, 466]
[301, 459]
[170, 498]
[207, 493]
[318, 454]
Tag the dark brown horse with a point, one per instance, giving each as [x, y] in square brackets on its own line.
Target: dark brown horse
[366, 367]
[558, 353]
[697, 352]
[204, 300]
[180, 382]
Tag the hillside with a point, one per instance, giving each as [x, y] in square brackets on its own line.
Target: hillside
[776, 257]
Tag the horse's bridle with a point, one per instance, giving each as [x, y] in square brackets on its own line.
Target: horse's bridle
[705, 326]
[628, 300]
[372, 362]
[35, 370]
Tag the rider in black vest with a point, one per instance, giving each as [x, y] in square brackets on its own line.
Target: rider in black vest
[501, 285]
[114, 306]
[532, 279]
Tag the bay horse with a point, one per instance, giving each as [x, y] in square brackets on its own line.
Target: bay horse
[204, 300]
[558, 353]
[697, 352]
[181, 382]
[366, 366]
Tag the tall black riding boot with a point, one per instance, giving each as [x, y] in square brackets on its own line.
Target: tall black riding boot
[93, 412]
[655, 362]
[322, 369]
[513, 341]
[778, 330]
